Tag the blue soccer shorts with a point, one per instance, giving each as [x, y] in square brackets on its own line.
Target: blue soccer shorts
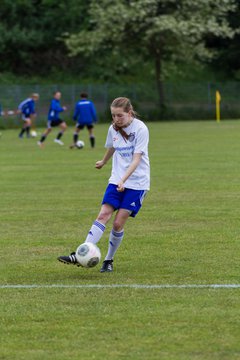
[53, 123]
[26, 117]
[128, 199]
[81, 126]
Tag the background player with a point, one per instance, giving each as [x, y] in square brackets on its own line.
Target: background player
[7, 112]
[27, 108]
[84, 115]
[127, 142]
[54, 119]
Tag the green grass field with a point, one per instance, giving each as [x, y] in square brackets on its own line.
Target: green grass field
[187, 233]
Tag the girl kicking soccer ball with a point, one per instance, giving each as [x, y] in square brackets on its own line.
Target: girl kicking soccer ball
[127, 145]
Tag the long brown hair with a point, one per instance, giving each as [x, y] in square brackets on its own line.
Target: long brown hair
[125, 104]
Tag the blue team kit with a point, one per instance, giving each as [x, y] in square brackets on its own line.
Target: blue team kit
[54, 110]
[27, 108]
[85, 113]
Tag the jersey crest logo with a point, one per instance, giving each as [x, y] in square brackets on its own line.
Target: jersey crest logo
[131, 137]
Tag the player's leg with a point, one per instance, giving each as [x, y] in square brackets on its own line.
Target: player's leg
[63, 127]
[75, 135]
[115, 238]
[22, 131]
[26, 127]
[99, 225]
[111, 200]
[95, 233]
[45, 134]
[130, 205]
[91, 136]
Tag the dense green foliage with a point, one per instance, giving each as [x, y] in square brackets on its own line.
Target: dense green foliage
[228, 52]
[136, 42]
[112, 38]
[30, 34]
[163, 31]
[186, 233]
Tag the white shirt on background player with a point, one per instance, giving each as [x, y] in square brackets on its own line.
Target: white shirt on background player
[123, 155]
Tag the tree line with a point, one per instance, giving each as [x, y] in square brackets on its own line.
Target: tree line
[105, 39]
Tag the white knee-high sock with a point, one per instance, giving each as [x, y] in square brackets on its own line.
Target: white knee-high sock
[115, 239]
[95, 233]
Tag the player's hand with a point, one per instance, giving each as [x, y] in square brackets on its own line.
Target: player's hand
[99, 164]
[120, 186]
[64, 108]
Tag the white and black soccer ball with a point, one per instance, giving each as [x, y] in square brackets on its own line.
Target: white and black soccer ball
[80, 144]
[33, 133]
[88, 255]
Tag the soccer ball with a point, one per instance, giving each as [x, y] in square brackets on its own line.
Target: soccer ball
[88, 255]
[80, 144]
[33, 133]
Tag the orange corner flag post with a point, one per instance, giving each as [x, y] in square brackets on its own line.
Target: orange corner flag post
[218, 100]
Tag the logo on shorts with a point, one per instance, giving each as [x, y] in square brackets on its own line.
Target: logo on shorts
[133, 204]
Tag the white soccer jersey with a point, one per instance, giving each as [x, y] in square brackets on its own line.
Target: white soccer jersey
[123, 155]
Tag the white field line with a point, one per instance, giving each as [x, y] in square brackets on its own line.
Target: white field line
[115, 286]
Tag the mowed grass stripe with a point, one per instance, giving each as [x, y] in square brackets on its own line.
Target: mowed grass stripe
[130, 286]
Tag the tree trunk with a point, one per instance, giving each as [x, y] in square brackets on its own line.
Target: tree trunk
[160, 89]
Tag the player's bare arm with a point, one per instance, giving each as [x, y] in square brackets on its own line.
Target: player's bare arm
[109, 153]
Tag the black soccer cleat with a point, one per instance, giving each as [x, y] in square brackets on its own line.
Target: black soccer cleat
[107, 266]
[71, 259]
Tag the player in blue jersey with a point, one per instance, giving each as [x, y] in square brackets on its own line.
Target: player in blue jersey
[127, 145]
[54, 119]
[27, 109]
[84, 115]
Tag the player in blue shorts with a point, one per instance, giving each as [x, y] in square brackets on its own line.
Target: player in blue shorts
[27, 109]
[54, 119]
[127, 145]
[84, 115]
